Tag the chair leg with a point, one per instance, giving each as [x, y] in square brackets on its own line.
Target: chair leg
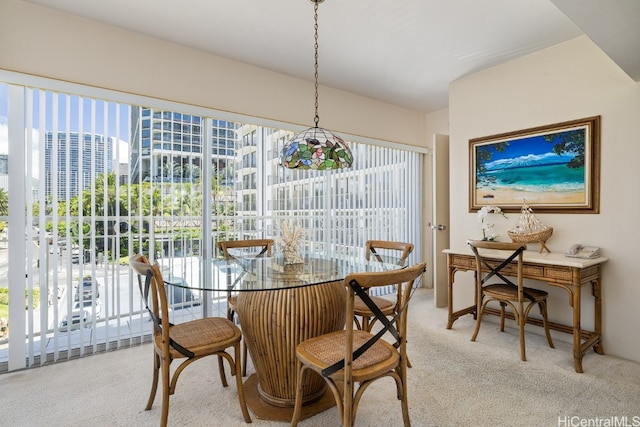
[223, 376]
[545, 322]
[165, 392]
[478, 321]
[366, 325]
[297, 408]
[230, 315]
[522, 317]
[502, 315]
[357, 323]
[240, 385]
[244, 359]
[405, 404]
[154, 384]
[348, 410]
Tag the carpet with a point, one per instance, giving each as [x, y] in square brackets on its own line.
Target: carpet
[453, 382]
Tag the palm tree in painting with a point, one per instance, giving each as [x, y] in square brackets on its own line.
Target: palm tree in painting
[571, 141]
[483, 156]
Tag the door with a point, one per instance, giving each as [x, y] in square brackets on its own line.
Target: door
[440, 215]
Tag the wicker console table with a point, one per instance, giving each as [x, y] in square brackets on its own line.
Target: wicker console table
[570, 274]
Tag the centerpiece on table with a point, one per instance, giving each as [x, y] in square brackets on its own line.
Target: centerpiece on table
[289, 242]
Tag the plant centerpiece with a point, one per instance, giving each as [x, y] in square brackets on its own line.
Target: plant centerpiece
[483, 218]
[289, 241]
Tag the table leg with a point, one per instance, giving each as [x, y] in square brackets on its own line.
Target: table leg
[450, 318]
[472, 309]
[577, 335]
[597, 301]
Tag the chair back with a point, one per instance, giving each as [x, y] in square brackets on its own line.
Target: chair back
[487, 268]
[377, 248]
[358, 284]
[252, 247]
[154, 296]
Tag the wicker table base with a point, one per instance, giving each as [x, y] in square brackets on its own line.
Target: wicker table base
[274, 322]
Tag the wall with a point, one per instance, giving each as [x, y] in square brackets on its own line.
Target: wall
[41, 41]
[569, 81]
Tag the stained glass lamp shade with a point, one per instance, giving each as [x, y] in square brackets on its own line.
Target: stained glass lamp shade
[316, 148]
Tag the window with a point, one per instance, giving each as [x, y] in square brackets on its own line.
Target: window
[134, 196]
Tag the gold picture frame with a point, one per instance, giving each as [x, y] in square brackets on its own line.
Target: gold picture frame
[554, 168]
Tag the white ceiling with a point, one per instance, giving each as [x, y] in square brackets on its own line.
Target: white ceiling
[403, 52]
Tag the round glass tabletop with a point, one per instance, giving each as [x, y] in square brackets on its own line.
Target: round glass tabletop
[240, 274]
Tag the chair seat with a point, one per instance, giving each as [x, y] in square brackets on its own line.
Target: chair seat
[325, 350]
[203, 336]
[386, 306]
[504, 291]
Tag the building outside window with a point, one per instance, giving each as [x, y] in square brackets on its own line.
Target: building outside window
[135, 182]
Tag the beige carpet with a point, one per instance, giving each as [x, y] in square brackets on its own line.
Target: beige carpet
[453, 382]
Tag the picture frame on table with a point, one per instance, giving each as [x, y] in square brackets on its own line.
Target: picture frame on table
[553, 168]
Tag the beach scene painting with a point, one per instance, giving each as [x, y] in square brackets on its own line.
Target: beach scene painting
[552, 168]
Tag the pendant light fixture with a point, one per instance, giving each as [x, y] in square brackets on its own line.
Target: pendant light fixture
[316, 148]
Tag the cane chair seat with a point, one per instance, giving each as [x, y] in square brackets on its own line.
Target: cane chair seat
[328, 349]
[203, 336]
[508, 292]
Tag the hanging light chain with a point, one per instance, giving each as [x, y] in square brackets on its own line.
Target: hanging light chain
[316, 148]
[315, 17]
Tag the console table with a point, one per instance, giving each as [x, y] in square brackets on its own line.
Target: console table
[570, 274]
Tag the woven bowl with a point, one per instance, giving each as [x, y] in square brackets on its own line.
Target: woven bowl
[540, 236]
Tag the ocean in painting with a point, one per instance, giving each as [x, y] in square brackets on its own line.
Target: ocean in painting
[536, 178]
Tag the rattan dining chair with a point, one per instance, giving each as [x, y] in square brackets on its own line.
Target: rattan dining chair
[191, 340]
[507, 293]
[351, 356]
[246, 248]
[376, 249]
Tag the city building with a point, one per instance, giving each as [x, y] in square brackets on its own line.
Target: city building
[167, 146]
[73, 162]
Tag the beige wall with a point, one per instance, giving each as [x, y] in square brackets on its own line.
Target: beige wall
[43, 42]
[569, 81]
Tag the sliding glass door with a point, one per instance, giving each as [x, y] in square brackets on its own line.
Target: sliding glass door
[89, 178]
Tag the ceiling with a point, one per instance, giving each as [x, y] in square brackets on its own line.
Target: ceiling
[404, 52]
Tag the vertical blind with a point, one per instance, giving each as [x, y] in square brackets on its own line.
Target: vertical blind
[104, 179]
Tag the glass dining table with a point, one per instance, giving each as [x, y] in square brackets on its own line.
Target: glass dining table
[280, 305]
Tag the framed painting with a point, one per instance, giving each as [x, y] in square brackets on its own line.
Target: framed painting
[554, 168]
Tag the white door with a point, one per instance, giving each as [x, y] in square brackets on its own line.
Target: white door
[440, 225]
